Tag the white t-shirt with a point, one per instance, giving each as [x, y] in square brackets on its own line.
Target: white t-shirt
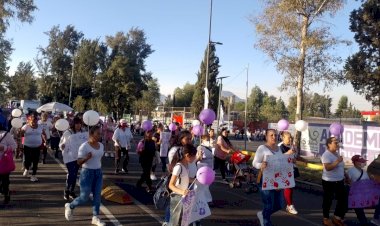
[353, 173]
[207, 156]
[72, 143]
[46, 126]
[32, 137]
[171, 153]
[124, 137]
[95, 162]
[183, 176]
[261, 153]
[336, 174]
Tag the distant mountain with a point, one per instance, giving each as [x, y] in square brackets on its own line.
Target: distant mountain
[228, 94]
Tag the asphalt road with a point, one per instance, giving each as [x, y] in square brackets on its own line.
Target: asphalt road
[42, 203]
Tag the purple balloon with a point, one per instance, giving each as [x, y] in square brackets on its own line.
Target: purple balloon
[197, 130]
[147, 125]
[207, 116]
[283, 124]
[336, 129]
[205, 175]
[172, 126]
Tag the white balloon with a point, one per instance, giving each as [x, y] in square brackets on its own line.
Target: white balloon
[16, 123]
[16, 113]
[196, 122]
[301, 125]
[62, 124]
[91, 118]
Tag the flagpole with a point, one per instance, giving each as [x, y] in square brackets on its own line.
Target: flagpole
[245, 113]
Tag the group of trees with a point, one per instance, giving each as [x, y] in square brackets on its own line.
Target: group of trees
[109, 76]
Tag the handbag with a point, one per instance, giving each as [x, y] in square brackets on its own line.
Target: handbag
[7, 163]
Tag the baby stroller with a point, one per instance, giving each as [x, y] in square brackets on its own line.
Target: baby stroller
[243, 173]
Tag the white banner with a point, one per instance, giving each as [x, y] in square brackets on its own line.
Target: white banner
[279, 172]
[200, 208]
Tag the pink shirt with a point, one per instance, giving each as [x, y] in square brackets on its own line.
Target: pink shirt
[221, 148]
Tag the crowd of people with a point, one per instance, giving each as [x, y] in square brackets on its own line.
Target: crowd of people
[178, 152]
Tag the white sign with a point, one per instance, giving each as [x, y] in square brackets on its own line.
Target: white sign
[279, 173]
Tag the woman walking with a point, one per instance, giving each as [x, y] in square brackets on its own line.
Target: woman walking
[70, 143]
[91, 178]
[34, 138]
[223, 147]
[46, 126]
[122, 138]
[146, 159]
[333, 183]
[180, 181]
[273, 200]
[55, 138]
[6, 142]
[108, 129]
[205, 158]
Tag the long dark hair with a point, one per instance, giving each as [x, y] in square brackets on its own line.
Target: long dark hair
[181, 152]
[76, 120]
[225, 138]
[182, 134]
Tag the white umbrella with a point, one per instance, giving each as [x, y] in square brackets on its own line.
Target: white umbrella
[54, 106]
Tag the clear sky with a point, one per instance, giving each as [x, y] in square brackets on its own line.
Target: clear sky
[178, 32]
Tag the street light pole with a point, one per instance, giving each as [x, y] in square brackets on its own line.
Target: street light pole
[220, 94]
[71, 80]
[208, 54]
[245, 113]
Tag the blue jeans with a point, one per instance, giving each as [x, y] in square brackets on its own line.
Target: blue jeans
[90, 180]
[273, 201]
[167, 214]
[72, 173]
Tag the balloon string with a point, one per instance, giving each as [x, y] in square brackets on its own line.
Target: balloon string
[184, 196]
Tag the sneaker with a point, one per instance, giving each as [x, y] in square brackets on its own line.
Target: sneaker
[68, 212]
[327, 222]
[375, 222]
[124, 171]
[72, 195]
[153, 177]
[33, 178]
[66, 195]
[290, 209]
[165, 223]
[26, 173]
[261, 218]
[97, 221]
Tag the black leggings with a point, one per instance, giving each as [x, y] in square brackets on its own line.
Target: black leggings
[335, 189]
[4, 183]
[220, 164]
[118, 158]
[145, 176]
[32, 156]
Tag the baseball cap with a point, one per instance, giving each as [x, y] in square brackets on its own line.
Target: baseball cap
[123, 121]
[358, 158]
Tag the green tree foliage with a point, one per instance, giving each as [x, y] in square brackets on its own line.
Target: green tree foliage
[289, 35]
[255, 102]
[20, 10]
[79, 104]
[272, 109]
[184, 96]
[125, 76]
[314, 105]
[363, 68]
[197, 103]
[168, 101]
[22, 85]
[150, 98]
[54, 62]
[346, 109]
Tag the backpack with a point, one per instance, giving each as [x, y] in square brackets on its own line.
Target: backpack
[161, 197]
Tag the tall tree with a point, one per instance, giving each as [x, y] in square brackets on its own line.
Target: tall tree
[54, 62]
[198, 98]
[291, 37]
[20, 10]
[184, 96]
[255, 101]
[125, 74]
[23, 76]
[150, 97]
[342, 106]
[363, 68]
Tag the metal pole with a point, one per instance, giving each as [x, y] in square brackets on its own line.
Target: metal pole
[71, 81]
[245, 113]
[208, 50]
[220, 91]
